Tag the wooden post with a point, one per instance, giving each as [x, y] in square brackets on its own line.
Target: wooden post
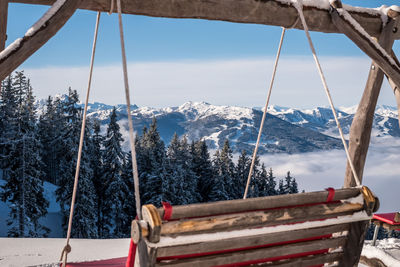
[377, 226]
[360, 131]
[3, 26]
[3, 23]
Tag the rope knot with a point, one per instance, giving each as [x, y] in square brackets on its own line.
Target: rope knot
[67, 249]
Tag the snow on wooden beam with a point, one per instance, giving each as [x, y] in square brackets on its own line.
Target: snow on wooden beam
[21, 49]
[268, 12]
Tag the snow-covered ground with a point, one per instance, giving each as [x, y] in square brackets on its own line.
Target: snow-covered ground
[19, 252]
[46, 252]
[386, 250]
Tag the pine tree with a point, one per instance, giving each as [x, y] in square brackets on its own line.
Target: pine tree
[241, 174]
[129, 205]
[218, 190]
[152, 160]
[96, 164]
[202, 167]
[226, 169]
[67, 150]
[24, 185]
[47, 130]
[271, 184]
[116, 190]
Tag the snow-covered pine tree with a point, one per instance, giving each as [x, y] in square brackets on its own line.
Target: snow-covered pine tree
[241, 174]
[96, 164]
[262, 182]
[24, 185]
[290, 184]
[218, 190]
[202, 167]
[155, 186]
[271, 184]
[226, 169]
[129, 206]
[47, 130]
[177, 194]
[67, 150]
[116, 189]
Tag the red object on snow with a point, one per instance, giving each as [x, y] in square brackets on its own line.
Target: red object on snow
[117, 262]
[388, 218]
[130, 261]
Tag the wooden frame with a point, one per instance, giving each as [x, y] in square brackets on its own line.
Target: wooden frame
[267, 12]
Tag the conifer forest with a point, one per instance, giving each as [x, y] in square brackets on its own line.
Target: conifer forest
[38, 147]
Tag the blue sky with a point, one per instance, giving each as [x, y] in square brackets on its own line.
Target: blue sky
[189, 46]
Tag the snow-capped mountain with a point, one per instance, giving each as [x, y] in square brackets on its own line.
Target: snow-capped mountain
[321, 119]
[286, 130]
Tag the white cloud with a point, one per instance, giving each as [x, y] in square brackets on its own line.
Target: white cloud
[319, 170]
[223, 82]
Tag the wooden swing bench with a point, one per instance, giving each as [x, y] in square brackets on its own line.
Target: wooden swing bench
[305, 229]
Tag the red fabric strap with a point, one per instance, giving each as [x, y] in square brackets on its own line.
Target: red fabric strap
[167, 210]
[331, 194]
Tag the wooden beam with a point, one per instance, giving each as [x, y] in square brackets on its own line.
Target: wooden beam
[38, 35]
[3, 23]
[251, 220]
[360, 131]
[253, 204]
[268, 12]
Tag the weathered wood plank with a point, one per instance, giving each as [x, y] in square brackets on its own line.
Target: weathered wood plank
[32, 42]
[354, 244]
[308, 261]
[257, 219]
[262, 253]
[271, 12]
[253, 204]
[249, 241]
[3, 23]
[360, 131]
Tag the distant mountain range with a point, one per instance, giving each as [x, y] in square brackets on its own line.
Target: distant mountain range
[287, 130]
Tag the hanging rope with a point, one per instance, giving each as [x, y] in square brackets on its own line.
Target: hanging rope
[111, 7]
[265, 113]
[128, 109]
[299, 6]
[67, 247]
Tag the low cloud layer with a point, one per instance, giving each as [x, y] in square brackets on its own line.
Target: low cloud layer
[316, 171]
[221, 82]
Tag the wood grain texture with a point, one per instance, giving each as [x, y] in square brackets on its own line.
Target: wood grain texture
[3, 23]
[249, 241]
[308, 261]
[269, 12]
[30, 44]
[360, 131]
[248, 220]
[354, 244]
[262, 253]
[253, 204]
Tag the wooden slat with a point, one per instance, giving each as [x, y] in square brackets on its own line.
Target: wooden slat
[262, 253]
[3, 23]
[31, 44]
[354, 244]
[270, 12]
[249, 241]
[261, 203]
[257, 219]
[308, 261]
[360, 131]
